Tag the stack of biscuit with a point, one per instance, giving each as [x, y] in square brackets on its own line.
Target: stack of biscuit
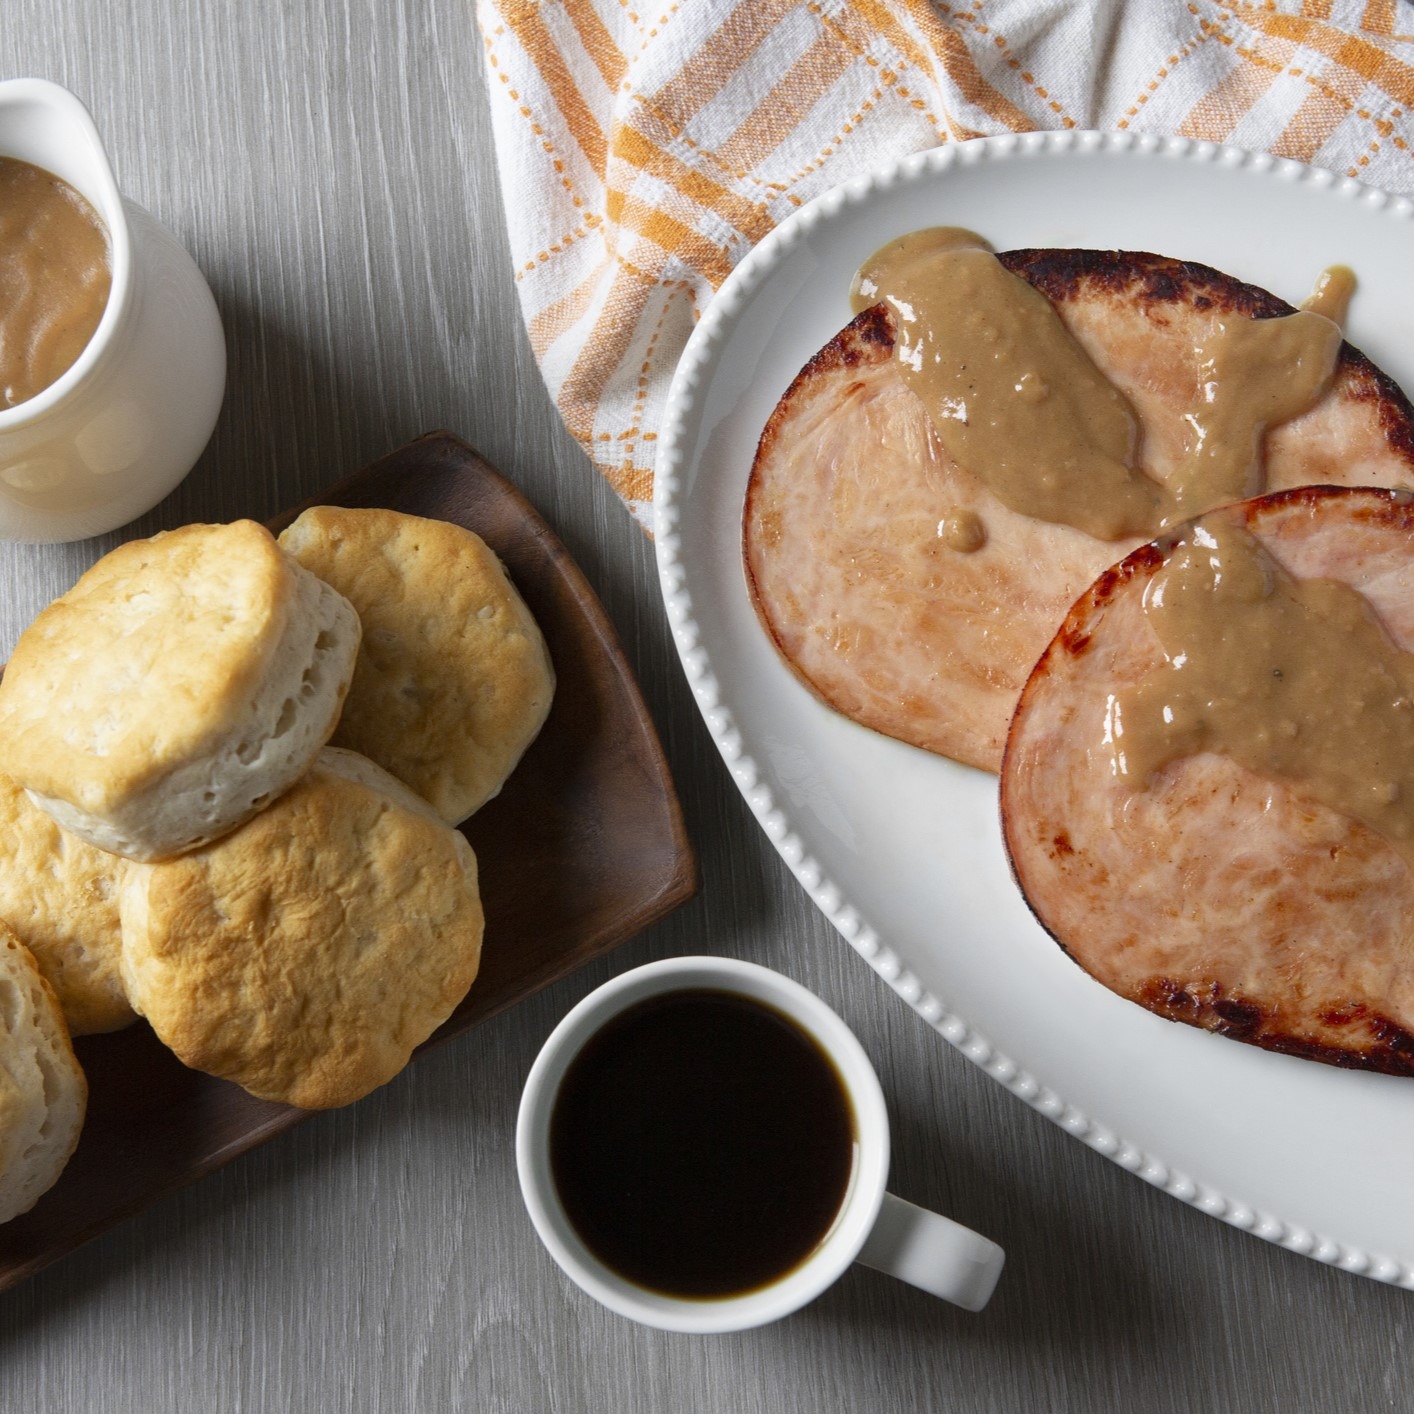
[230, 770]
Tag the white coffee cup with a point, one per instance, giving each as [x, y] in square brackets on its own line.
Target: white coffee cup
[873, 1226]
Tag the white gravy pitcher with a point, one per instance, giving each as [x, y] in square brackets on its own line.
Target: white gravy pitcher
[111, 437]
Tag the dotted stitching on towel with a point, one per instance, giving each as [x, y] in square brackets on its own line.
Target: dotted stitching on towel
[630, 437]
[973, 17]
[889, 77]
[526, 112]
[1164, 71]
[1384, 127]
[559, 247]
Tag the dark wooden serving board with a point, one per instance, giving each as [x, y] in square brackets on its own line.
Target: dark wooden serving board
[583, 847]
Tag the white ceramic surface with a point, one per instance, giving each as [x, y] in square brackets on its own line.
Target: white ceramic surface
[127, 422]
[900, 849]
[873, 1226]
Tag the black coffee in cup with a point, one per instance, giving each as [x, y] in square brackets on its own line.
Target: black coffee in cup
[701, 1144]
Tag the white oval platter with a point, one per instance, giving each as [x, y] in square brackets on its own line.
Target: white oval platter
[901, 850]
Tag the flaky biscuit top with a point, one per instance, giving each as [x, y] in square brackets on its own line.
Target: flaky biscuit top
[151, 658]
[305, 955]
[453, 680]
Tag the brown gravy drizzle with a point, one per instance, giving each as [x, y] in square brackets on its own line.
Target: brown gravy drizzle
[1253, 374]
[1018, 402]
[55, 278]
[1295, 679]
[1013, 396]
[963, 530]
[1331, 296]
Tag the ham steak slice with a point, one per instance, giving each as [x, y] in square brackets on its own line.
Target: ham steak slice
[1210, 895]
[843, 550]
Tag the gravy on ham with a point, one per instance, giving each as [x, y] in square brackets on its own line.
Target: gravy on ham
[1013, 396]
[1295, 679]
[1019, 403]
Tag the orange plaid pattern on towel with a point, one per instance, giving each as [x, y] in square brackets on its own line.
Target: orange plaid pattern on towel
[645, 145]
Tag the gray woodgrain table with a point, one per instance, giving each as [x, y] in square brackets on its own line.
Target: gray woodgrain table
[329, 164]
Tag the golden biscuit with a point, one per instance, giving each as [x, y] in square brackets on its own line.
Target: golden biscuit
[183, 682]
[306, 954]
[60, 897]
[453, 680]
[43, 1092]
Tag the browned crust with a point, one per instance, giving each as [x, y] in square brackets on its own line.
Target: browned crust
[1376, 1042]
[1074, 635]
[1148, 279]
[1153, 281]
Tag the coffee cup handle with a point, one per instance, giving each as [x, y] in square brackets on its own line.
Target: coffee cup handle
[933, 1253]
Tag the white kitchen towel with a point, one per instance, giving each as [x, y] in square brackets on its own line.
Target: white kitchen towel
[645, 145]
